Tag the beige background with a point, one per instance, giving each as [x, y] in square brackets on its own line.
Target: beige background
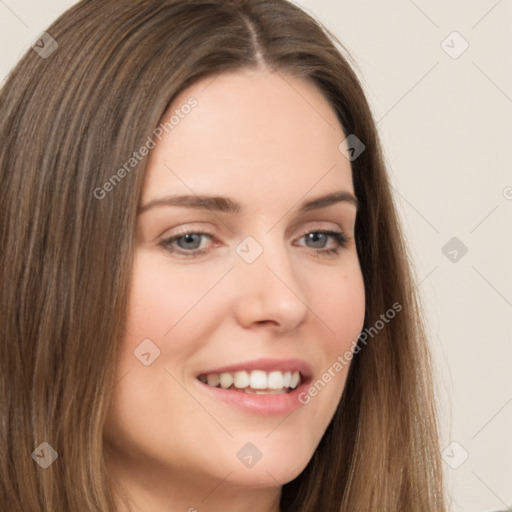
[446, 124]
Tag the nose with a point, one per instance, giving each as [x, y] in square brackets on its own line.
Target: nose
[270, 288]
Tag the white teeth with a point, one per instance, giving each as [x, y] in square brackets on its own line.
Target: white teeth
[256, 382]
[241, 380]
[275, 380]
[258, 379]
[294, 382]
[226, 380]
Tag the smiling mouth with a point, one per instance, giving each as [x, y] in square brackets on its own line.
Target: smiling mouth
[257, 382]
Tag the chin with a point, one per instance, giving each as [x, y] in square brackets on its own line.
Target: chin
[268, 460]
[275, 472]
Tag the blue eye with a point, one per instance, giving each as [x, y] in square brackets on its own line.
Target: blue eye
[188, 243]
[320, 239]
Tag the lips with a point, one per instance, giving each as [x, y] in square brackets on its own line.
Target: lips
[262, 386]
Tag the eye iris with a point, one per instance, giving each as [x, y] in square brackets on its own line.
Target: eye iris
[190, 238]
[314, 237]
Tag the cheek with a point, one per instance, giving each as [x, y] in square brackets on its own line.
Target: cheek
[163, 300]
[340, 305]
[340, 308]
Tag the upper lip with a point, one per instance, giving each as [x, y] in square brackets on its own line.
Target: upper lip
[265, 364]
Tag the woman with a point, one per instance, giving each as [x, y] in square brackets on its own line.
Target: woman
[276, 364]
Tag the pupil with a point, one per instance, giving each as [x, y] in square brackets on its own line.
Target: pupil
[315, 236]
[190, 238]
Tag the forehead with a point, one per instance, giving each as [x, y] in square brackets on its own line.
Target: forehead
[252, 133]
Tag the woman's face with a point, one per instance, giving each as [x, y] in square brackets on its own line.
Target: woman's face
[258, 301]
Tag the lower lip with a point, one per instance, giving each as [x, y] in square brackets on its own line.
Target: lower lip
[263, 405]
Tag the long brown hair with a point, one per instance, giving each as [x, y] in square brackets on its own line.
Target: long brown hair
[69, 119]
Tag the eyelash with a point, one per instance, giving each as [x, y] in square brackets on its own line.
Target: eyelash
[341, 239]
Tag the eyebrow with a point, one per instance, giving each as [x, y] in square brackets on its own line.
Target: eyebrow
[227, 205]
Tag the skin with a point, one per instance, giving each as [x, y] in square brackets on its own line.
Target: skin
[269, 141]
